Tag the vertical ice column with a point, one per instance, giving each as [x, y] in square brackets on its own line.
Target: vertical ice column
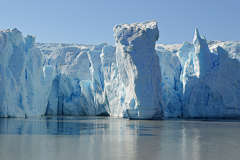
[203, 54]
[100, 103]
[139, 68]
[113, 87]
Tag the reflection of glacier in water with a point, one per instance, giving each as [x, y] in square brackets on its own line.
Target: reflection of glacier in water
[54, 125]
[77, 125]
[63, 137]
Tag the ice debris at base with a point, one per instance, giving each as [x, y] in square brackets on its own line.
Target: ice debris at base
[199, 79]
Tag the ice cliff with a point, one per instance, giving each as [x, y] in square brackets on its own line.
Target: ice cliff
[139, 70]
[201, 79]
[216, 90]
[77, 87]
[135, 78]
[22, 80]
[104, 79]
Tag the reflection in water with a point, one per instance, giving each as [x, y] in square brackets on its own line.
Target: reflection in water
[61, 137]
[61, 125]
[57, 125]
[190, 142]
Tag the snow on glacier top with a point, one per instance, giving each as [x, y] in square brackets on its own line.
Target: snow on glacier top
[143, 25]
[129, 32]
[47, 48]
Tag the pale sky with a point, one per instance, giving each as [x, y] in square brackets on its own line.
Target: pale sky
[92, 21]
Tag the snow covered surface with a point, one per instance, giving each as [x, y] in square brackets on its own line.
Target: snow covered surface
[135, 78]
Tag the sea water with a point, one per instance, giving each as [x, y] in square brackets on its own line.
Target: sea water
[79, 137]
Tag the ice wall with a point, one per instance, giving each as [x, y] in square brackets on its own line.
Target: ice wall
[134, 78]
[22, 91]
[99, 97]
[216, 91]
[77, 88]
[171, 84]
[89, 79]
[200, 79]
[139, 69]
[113, 86]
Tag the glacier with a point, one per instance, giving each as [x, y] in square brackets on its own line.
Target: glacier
[136, 78]
[22, 80]
[200, 78]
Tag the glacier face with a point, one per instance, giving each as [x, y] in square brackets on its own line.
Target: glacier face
[198, 79]
[90, 80]
[77, 85]
[113, 86]
[22, 81]
[216, 91]
[86, 80]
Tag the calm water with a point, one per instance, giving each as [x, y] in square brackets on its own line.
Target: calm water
[67, 138]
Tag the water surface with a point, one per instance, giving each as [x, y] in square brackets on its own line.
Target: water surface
[65, 137]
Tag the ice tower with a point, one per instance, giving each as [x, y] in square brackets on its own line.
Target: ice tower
[139, 69]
